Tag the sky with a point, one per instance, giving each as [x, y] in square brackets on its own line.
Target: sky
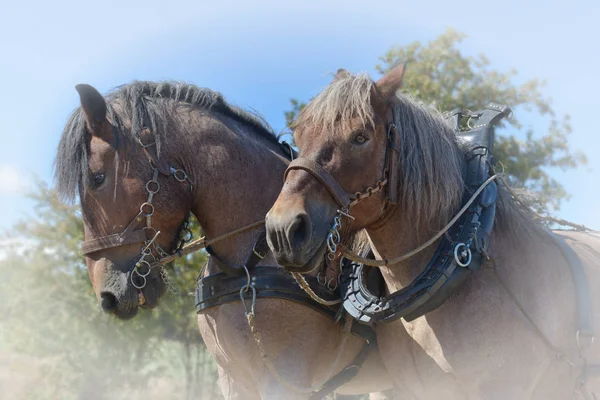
[259, 54]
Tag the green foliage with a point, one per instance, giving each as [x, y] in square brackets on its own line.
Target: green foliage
[439, 74]
[49, 313]
[291, 115]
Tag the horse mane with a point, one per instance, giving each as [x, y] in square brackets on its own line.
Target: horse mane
[143, 102]
[348, 96]
[431, 163]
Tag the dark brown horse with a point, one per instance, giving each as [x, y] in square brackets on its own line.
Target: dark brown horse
[140, 161]
[518, 326]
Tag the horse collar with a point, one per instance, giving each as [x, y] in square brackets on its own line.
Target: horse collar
[458, 254]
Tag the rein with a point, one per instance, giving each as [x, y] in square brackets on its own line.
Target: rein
[202, 243]
[382, 263]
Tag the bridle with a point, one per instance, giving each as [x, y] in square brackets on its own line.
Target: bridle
[345, 200]
[151, 252]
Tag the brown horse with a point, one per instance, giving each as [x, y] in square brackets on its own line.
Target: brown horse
[518, 327]
[140, 161]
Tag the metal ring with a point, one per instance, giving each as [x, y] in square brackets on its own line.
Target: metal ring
[458, 257]
[149, 213]
[331, 244]
[180, 175]
[151, 182]
[336, 236]
[141, 263]
[319, 278]
[143, 278]
[330, 286]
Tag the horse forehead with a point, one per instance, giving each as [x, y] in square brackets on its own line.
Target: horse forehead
[99, 150]
[316, 136]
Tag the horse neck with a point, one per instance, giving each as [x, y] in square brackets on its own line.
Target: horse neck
[237, 175]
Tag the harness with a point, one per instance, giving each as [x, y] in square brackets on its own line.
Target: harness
[274, 282]
[231, 284]
[460, 251]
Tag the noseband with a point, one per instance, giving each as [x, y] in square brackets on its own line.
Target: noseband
[147, 234]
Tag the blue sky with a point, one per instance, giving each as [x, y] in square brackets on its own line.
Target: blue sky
[259, 54]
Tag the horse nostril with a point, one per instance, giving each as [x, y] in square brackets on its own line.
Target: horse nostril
[109, 302]
[299, 231]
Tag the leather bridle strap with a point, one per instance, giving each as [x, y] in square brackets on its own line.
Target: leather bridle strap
[321, 174]
[129, 234]
[110, 241]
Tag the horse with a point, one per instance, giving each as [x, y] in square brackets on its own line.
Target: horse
[482, 300]
[141, 160]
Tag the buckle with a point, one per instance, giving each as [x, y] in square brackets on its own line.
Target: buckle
[257, 254]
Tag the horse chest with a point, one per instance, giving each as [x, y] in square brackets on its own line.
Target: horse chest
[464, 354]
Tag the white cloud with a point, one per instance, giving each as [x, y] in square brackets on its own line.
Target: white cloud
[12, 180]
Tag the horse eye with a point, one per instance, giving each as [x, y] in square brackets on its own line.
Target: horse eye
[98, 179]
[360, 139]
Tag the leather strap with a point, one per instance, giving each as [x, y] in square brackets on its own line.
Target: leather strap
[115, 240]
[392, 156]
[159, 163]
[332, 186]
[345, 375]
[270, 282]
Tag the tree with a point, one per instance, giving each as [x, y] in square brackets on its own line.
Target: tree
[438, 73]
[48, 311]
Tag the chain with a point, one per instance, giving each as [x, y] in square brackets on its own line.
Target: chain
[334, 236]
[301, 281]
[370, 191]
[163, 274]
[185, 236]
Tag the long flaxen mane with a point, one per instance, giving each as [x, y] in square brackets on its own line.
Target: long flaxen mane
[431, 163]
[147, 105]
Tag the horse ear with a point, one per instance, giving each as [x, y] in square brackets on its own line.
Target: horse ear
[389, 84]
[94, 108]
